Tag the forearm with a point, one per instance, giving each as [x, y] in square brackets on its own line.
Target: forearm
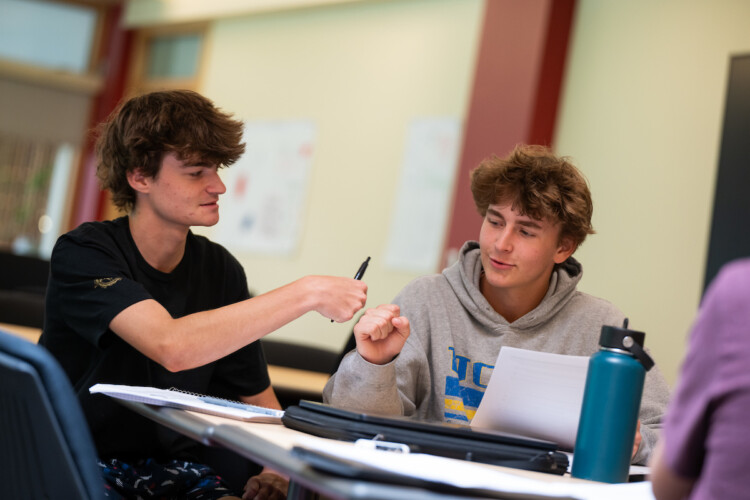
[200, 338]
[209, 335]
[362, 386]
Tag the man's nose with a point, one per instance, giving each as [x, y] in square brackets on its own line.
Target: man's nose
[216, 186]
[504, 241]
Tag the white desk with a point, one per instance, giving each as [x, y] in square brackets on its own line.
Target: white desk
[271, 445]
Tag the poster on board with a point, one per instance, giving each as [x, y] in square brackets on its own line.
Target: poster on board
[261, 211]
[423, 195]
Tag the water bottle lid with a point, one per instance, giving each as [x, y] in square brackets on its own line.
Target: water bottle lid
[613, 336]
[626, 340]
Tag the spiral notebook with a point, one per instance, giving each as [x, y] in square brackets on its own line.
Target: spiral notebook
[176, 398]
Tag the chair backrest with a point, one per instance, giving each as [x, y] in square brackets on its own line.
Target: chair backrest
[300, 356]
[23, 284]
[46, 449]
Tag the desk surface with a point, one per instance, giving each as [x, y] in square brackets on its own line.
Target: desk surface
[29, 333]
[271, 444]
[293, 379]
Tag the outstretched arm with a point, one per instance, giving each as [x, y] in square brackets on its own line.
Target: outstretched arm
[200, 338]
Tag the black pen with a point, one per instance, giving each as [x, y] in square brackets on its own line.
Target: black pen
[361, 271]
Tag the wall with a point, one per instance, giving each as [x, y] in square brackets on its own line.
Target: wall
[42, 112]
[642, 115]
[361, 73]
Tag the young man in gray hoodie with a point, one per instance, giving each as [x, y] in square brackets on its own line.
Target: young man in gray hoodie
[430, 354]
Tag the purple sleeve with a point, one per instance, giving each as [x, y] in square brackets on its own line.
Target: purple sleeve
[706, 428]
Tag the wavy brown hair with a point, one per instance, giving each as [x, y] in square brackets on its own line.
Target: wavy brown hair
[143, 129]
[538, 184]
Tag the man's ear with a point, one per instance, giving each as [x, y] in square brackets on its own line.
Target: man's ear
[565, 249]
[138, 180]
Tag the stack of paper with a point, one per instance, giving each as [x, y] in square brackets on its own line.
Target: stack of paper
[535, 394]
[193, 402]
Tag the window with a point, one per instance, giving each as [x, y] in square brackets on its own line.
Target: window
[167, 58]
[46, 90]
[47, 34]
[34, 185]
[173, 56]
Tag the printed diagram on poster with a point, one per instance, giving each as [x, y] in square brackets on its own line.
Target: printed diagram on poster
[267, 188]
[423, 196]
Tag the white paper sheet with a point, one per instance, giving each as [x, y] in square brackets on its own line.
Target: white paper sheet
[472, 475]
[536, 394]
[190, 401]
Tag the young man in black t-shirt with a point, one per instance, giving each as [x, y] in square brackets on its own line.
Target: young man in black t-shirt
[141, 300]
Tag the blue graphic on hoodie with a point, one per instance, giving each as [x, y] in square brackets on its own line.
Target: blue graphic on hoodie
[464, 392]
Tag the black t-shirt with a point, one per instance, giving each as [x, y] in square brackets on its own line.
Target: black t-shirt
[96, 271]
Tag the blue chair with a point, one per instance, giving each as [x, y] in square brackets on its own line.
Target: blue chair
[46, 449]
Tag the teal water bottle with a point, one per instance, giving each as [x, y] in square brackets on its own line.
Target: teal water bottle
[611, 402]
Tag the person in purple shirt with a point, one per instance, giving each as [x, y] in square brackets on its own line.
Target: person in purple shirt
[705, 447]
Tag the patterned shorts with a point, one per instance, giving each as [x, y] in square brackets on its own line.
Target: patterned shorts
[172, 480]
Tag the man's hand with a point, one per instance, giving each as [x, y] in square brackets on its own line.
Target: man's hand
[336, 298]
[266, 486]
[381, 334]
[638, 438]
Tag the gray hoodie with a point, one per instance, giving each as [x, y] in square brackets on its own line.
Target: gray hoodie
[443, 369]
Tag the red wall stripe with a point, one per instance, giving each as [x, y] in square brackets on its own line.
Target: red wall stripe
[515, 95]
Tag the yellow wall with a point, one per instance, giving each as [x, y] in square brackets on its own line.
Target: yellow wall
[361, 73]
[641, 115]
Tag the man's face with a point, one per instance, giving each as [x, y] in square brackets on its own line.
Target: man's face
[185, 192]
[518, 252]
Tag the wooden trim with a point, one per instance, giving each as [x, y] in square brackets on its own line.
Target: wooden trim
[112, 54]
[98, 44]
[63, 80]
[90, 3]
[26, 332]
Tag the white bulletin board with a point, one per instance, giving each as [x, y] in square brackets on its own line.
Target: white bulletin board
[267, 188]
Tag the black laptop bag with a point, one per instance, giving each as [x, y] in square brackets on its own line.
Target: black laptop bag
[435, 438]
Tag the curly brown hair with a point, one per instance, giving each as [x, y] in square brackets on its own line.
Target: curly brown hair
[143, 129]
[538, 184]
